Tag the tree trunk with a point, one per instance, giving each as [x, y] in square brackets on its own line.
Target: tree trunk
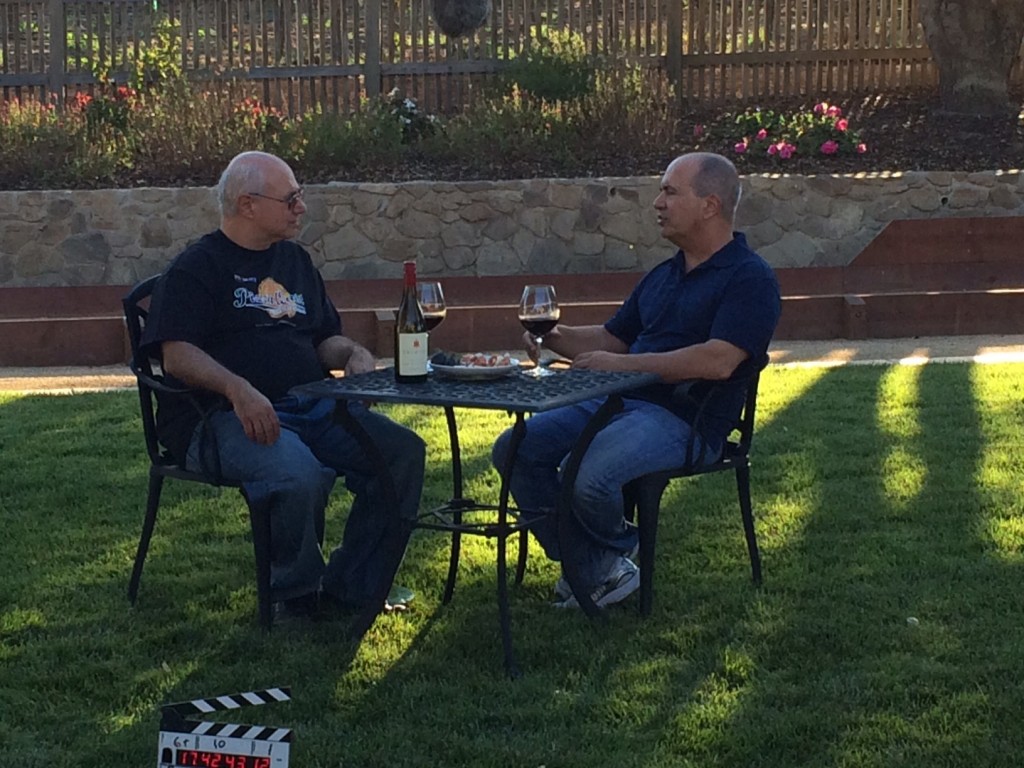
[975, 44]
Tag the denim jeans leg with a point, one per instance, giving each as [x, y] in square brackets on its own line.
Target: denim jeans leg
[642, 438]
[289, 480]
[534, 481]
[356, 569]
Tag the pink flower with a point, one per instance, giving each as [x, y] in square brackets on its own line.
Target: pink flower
[787, 151]
[773, 149]
[698, 131]
[741, 147]
[862, 148]
[762, 135]
[834, 112]
[842, 124]
[822, 108]
[829, 147]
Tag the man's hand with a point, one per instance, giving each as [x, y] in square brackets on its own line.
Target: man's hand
[360, 361]
[530, 345]
[257, 415]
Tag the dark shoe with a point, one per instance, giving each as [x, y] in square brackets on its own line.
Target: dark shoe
[332, 607]
[296, 608]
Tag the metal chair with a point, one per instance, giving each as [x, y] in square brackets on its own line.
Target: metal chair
[643, 495]
[162, 465]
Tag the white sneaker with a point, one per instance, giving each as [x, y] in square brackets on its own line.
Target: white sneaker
[562, 589]
[622, 581]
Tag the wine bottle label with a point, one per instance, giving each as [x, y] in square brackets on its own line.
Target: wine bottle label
[412, 354]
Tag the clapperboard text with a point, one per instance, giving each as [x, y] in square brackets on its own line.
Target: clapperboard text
[197, 744]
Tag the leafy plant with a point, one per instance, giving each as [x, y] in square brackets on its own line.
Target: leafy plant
[554, 66]
[415, 124]
[367, 137]
[820, 130]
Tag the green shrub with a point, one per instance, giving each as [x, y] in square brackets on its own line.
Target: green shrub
[414, 123]
[365, 138]
[37, 143]
[554, 66]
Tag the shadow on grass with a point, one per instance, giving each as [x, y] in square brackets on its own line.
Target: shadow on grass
[872, 506]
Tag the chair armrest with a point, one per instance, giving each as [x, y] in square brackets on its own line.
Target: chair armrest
[683, 395]
[157, 383]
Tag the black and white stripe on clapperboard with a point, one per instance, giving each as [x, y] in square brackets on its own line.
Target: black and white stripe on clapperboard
[186, 743]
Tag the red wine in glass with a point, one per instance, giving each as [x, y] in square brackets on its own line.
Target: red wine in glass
[538, 327]
[431, 299]
[539, 313]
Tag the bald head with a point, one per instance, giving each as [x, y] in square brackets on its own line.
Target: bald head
[713, 175]
[246, 173]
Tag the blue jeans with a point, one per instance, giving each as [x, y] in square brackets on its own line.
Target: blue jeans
[643, 438]
[293, 478]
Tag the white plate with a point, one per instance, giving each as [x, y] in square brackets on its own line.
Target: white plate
[476, 372]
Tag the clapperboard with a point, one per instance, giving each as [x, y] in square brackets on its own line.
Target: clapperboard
[196, 744]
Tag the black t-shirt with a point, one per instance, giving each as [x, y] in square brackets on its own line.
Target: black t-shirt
[260, 314]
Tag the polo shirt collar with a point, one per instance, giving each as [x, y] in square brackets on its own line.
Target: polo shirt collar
[724, 257]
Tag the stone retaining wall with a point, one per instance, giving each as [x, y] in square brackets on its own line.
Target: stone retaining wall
[116, 237]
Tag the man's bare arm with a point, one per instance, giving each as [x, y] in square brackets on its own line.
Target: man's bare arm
[191, 365]
[714, 359]
[572, 340]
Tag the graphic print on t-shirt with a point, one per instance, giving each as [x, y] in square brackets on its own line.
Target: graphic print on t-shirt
[273, 298]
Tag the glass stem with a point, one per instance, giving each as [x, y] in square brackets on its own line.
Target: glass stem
[540, 345]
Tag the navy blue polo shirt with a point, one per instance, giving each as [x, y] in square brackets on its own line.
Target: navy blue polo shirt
[733, 296]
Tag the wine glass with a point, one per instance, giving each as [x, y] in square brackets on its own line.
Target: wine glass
[431, 299]
[538, 312]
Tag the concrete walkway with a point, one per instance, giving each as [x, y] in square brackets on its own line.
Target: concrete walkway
[980, 349]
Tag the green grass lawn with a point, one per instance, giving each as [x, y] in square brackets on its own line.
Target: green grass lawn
[882, 493]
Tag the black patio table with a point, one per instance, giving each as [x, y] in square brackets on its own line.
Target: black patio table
[517, 394]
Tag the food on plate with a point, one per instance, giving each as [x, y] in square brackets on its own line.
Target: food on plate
[472, 359]
[482, 360]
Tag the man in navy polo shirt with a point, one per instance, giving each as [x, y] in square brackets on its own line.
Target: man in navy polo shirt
[706, 314]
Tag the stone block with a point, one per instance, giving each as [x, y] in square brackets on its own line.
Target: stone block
[417, 224]
[498, 259]
[154, 233]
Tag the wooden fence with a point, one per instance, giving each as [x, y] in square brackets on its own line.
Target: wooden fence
[330, 53]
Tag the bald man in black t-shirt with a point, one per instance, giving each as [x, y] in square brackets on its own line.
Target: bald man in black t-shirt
[242, 316]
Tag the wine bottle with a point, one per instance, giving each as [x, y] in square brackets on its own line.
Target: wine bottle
[410, 333]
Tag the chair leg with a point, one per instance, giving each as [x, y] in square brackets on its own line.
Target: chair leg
[156, 484]
[629, 501]
[260, 522]
[746, 510]
[524, 551]
[648, 493]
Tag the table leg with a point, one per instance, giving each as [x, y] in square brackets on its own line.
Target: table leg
[567, 523]
[518, 433]
[396, 539]
[453, 561]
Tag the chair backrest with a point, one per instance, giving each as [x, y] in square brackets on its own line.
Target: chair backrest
[135, 313]
[745, 426]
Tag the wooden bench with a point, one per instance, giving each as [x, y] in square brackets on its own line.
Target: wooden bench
[939, 277]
